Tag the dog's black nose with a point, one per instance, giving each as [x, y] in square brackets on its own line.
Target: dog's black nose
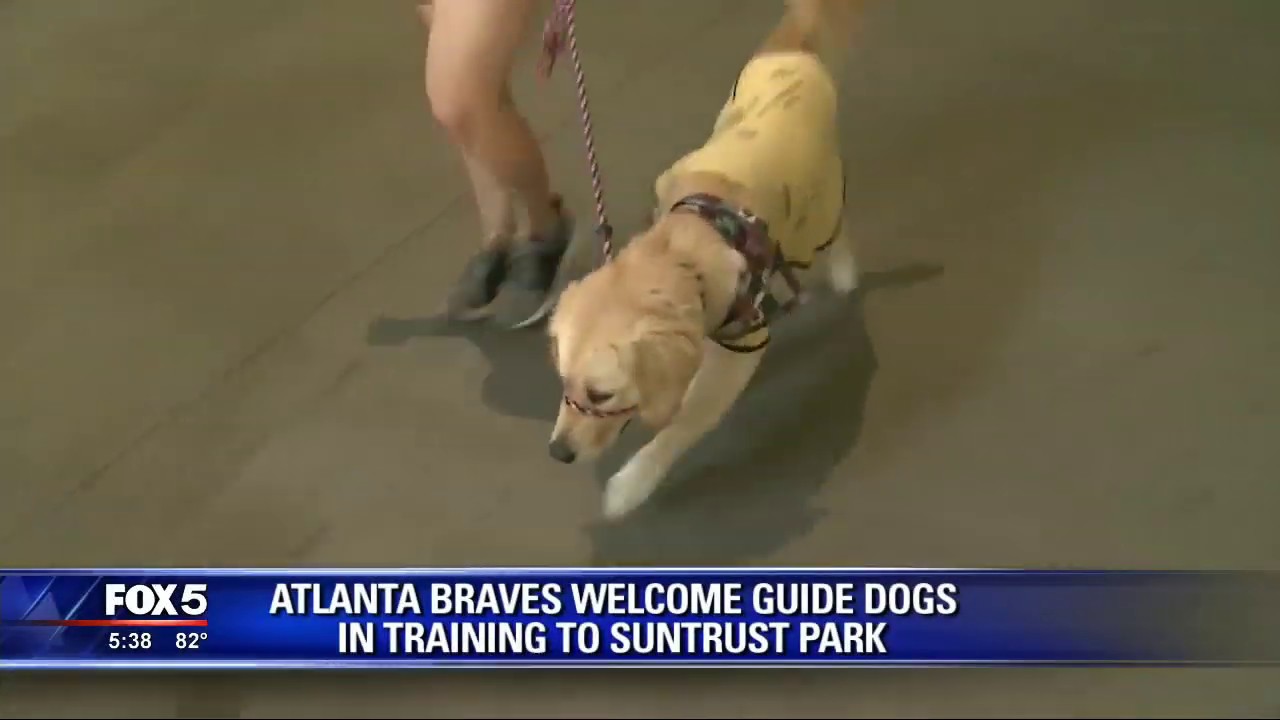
[561, 451]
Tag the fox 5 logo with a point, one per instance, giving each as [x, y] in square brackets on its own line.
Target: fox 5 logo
[157, 599]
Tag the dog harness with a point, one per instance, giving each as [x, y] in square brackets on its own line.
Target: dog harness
[777, 136]
[750, 312]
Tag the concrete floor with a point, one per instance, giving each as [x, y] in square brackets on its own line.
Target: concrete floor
[227, 224]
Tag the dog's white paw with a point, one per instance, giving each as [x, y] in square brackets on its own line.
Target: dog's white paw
[845, 280]
[631, 486]
[843, 270]
[842, 266]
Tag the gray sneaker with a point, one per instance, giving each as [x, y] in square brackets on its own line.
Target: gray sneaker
[536, 273]
[473, 293]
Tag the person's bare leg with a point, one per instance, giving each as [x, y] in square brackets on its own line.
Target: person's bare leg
[469, 61]
[493, 201]
[484, 272]
[470, 56]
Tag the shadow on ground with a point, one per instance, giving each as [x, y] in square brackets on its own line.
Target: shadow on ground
[965, 188]
[746, 489]
[521, 381]
[958, 180]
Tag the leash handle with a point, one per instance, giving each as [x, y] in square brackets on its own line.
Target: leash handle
[561, 30]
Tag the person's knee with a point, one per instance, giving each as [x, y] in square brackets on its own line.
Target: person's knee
[462, 104]
[471, 50]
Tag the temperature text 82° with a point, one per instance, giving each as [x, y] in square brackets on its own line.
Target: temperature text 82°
[191, 640]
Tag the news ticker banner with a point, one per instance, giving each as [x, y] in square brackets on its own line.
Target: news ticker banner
[556, 618]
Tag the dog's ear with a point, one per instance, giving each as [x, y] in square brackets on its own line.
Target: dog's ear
[665, 364]
[566, 299]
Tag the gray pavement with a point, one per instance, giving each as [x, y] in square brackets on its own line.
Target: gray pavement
[227, 227]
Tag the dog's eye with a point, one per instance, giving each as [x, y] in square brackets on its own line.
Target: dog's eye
[598, 398]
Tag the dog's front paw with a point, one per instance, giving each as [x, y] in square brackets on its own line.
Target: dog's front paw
[632, 485]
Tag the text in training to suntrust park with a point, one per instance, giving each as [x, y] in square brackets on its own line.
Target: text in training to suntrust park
[620, 619]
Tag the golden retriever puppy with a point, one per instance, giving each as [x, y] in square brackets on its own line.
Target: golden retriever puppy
[673, 329]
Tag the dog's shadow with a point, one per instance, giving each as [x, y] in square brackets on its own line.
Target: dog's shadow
[747, 488]
[521, 381]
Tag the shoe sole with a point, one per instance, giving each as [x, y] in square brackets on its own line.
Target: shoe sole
[575, 264]
[468, 315]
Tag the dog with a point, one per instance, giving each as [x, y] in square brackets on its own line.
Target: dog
[672, 330]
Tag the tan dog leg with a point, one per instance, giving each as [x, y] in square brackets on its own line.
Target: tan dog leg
[723, 376]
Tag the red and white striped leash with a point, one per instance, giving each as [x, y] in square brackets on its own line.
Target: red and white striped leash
[561, 26]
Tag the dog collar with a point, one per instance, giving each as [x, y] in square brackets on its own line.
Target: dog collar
[596, 412]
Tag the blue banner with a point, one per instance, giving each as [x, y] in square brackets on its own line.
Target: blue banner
[579, 617]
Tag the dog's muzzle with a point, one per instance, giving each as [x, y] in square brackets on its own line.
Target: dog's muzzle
[559, 448]
[561, 452]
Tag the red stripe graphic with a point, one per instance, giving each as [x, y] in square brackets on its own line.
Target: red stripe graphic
[113, 623]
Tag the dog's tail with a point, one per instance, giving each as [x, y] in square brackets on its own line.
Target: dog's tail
[822, 27]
